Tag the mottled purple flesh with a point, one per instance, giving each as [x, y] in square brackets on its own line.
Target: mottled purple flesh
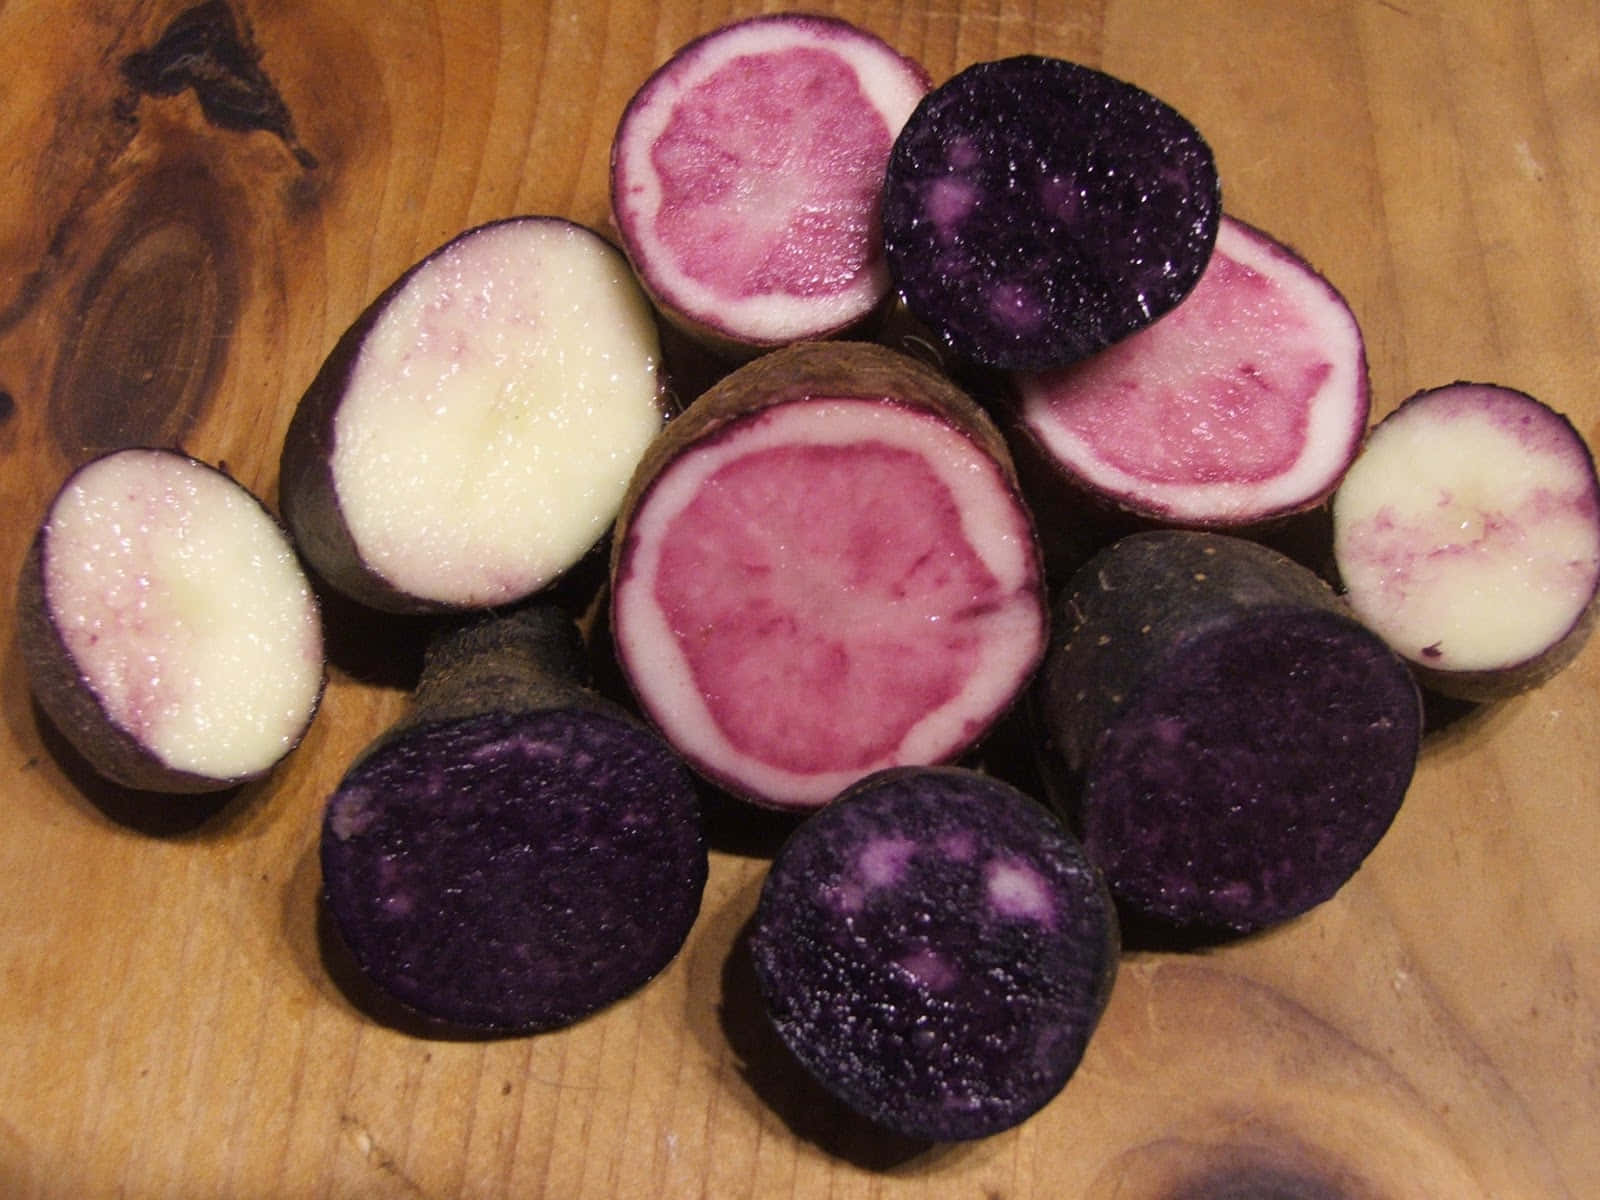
[1037, 210]
[1230, 743]
[508, 874]
[935, 949]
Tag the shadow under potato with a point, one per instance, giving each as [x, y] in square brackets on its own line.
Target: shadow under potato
[745, 830]
[1441, 713]
[776, 1077]
[153, 814]
[382, 649]
[1143, 933]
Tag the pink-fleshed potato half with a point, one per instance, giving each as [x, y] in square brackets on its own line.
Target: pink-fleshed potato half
[747, 178]
[1245, 403]
[830, 577]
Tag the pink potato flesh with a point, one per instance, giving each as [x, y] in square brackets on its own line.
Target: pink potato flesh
[1467, 534]
[828, 587]
[747, 176]
[1246, 401]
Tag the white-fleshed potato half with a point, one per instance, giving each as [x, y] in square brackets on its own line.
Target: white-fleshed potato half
[1467, 535]
[469, 439]
[167, 626]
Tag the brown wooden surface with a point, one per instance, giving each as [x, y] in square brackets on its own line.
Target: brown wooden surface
[168, 1024]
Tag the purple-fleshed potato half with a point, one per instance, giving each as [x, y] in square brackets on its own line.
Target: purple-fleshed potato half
[510, 873]
[1037, 210]
[1228, 740]
[935, 949]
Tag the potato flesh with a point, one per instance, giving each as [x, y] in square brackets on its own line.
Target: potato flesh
[185, 610]
[1466, 532]
[748, 174]
[821, 634]
[496, 413]
[1244, 401]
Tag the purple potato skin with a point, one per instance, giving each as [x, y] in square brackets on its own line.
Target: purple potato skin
[512, 873]
[1036, 211]
[1229, 742]
[72, 707]
[916, 1002]
[306, 491]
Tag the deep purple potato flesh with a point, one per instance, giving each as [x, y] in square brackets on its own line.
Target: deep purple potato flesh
[1036, 211]
[935, 949]
[508, 874]
[1230, 743]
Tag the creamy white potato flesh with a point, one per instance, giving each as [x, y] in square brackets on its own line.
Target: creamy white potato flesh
[496, 412]
[185, 610]
[1466, 533]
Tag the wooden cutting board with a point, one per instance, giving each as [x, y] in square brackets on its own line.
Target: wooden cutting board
[174, 266]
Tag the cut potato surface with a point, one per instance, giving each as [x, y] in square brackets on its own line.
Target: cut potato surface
[488, 416]
[936, 950]
[184, 611]
[747, 177]
[1467, 534]
[837, 585]
[513, 872]
[1230, 741]
[1245, 402]
[1037, 210]
[824, 567]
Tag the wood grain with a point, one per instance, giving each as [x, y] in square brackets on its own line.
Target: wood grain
[173, 267]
